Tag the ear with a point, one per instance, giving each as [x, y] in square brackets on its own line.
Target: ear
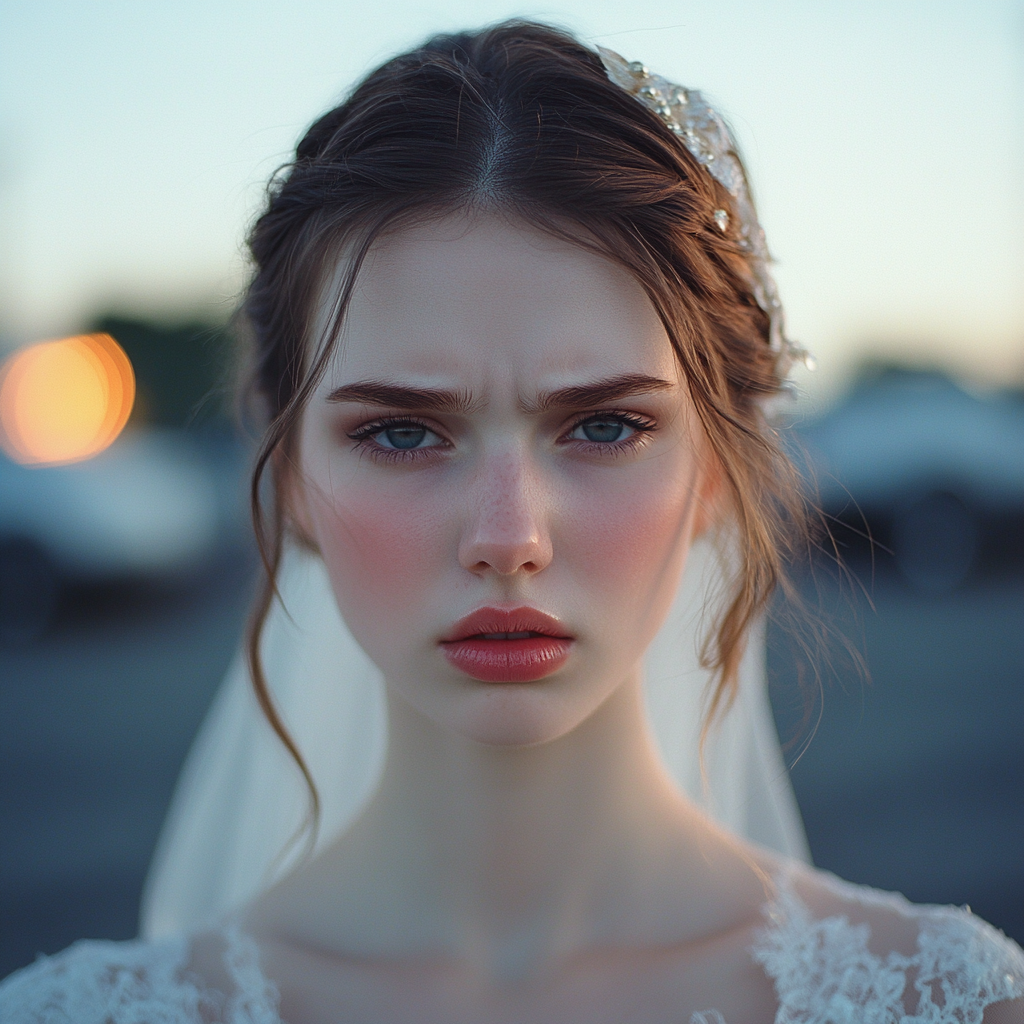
[711, 496]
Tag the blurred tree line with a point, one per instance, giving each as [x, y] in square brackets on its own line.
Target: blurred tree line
[183, 371]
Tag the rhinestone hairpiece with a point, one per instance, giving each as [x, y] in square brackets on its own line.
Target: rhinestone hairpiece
[687, 114]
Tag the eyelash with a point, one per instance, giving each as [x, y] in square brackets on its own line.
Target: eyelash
[363, 436]
[641, 426]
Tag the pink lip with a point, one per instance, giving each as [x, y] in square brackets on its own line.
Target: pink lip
[507, 660]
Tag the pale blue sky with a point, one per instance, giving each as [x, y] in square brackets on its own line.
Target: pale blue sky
[885, 140]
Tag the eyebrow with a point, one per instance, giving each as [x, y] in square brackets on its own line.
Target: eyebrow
[401, 396]
[599, 392]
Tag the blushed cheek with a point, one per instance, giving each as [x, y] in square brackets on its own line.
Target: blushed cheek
[631, 539]
[383, 557]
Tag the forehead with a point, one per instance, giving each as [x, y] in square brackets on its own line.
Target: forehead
[478, 298]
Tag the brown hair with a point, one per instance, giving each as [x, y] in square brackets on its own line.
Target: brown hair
[523, 118]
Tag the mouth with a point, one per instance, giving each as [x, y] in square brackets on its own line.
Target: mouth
[517, 645]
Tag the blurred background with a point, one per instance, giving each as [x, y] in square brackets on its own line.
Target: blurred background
[886, 144]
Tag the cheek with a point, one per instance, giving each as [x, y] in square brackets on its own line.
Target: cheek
[631, 537]
[382, 550]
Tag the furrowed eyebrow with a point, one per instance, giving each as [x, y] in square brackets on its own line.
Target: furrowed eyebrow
[600, 392]
[399, 396]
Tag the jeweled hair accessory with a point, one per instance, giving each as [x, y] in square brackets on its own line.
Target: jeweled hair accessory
[686, 113]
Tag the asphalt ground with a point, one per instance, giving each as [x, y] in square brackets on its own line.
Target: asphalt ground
[95, 721]
[909, 768]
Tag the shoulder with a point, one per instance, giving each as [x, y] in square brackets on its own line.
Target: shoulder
[178, 980]
[837, 951]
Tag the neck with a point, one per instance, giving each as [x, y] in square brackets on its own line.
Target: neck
[512, 857]
[516, 830]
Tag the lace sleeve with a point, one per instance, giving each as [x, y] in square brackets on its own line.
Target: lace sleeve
[106, 983]
[255, 999]
[141, 983]
[824, 971]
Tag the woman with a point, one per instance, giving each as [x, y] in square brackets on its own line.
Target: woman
[514, 335]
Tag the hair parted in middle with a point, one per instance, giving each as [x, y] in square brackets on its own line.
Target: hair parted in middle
[522, 119]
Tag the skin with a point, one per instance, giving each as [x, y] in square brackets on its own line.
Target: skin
[526, 856]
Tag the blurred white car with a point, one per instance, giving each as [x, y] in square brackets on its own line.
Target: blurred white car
[933, 471]
[146, 508]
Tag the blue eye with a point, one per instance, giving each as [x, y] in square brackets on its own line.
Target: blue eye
[403, 438]
[601, 430]
[393, 439]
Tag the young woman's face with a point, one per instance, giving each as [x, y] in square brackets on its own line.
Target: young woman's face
[503, 472]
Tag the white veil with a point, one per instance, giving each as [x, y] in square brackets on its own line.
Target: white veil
[240, 797]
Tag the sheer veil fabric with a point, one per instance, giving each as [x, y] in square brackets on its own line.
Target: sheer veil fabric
[240, 798]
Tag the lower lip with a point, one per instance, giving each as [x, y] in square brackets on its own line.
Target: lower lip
[508, 661]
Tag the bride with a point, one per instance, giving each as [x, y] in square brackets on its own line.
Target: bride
[514, 336]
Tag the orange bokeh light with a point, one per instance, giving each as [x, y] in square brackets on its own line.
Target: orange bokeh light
[64, 401]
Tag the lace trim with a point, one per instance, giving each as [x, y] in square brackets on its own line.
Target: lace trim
[256, 998]
[106, 983]
[824, 973]
[138, 983]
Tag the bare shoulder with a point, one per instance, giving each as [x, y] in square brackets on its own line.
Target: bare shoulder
[829, 942]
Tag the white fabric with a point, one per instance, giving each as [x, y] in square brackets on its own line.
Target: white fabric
[822, 970]
[240, 797]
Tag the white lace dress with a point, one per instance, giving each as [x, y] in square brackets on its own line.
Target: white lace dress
[823, 969]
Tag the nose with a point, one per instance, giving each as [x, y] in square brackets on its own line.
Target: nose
[506, 530]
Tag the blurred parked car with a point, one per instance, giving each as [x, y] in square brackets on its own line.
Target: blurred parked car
[147, 508]
[932, 473]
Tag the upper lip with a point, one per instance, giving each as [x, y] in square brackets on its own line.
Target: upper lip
[505, 620]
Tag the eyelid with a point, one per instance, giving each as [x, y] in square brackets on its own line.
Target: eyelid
[638, 421]
[642, 428]
[364, 441]
[385, 422]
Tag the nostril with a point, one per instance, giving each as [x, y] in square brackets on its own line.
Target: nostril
[528, 556]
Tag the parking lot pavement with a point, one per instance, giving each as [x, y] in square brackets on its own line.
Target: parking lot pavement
[95, 720]
[914, 778]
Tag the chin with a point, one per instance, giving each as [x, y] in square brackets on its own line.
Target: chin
[517, 715]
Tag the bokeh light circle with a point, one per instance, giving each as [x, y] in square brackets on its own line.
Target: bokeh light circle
[64, 401]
